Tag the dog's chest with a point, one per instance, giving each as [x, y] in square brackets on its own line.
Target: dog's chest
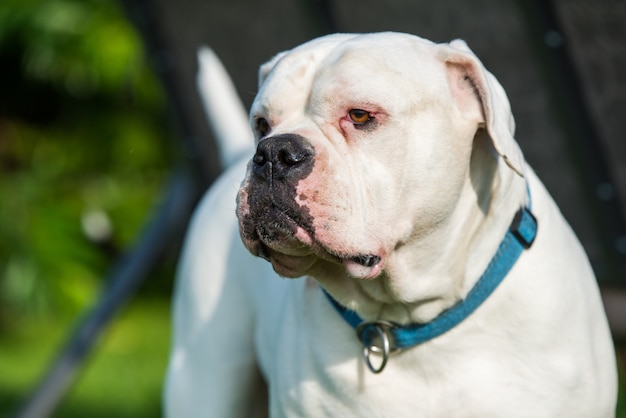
[313, 362]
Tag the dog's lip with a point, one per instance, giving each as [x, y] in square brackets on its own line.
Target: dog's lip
[289, 265]
[301, 245]
[288, 246]
[286, 236]
[363, 266]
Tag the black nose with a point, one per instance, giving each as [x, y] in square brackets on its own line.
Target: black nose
[283, 156]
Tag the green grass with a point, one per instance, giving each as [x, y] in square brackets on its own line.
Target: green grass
[121, 378]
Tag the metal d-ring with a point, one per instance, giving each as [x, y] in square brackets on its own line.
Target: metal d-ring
[382, 328]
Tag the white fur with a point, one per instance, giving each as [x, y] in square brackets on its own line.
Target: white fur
[434, 200]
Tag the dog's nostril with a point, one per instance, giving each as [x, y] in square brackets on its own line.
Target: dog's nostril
[290, 158]
[259, 158]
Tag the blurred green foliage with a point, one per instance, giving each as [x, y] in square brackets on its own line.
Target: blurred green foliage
[83, 151]
[84, 154]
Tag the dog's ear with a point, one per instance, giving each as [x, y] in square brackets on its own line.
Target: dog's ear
[267, 67]
[472, 84]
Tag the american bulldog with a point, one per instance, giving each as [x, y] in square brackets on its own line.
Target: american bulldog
[437, 277]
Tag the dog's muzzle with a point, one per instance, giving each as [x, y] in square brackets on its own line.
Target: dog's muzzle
[273, 224]
[277, 224]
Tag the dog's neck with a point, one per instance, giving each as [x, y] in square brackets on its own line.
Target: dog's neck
[433, 272]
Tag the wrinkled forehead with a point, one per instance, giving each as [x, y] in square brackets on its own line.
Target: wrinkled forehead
[388, 49]
[294, 72]
[373, 60]
[348, 60]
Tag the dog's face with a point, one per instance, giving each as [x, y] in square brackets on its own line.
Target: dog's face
[364, 146]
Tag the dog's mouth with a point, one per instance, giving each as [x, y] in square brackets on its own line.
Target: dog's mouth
[293, 249]
[291, 263]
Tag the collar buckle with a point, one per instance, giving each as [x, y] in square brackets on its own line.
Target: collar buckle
[524, 227]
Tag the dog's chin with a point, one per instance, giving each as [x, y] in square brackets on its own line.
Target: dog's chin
[283, 243]
[290, 265]
[291, 255]
[297, 254]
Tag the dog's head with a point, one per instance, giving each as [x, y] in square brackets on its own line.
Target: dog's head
[364, 146]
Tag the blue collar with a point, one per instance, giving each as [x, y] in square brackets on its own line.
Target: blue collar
[385, 338]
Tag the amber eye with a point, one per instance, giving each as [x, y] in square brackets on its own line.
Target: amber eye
[359, 116]
[262, 126]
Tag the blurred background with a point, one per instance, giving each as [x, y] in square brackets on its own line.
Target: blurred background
[85, 151]
[104, 150]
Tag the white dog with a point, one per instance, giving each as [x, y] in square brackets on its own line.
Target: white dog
[387, 175]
